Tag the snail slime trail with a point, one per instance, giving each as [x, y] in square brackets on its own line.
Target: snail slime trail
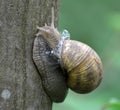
[83, 67]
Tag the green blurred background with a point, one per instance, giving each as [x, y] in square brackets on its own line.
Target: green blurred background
[96, 23]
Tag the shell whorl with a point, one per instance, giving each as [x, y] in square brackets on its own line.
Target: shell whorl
[83, 66]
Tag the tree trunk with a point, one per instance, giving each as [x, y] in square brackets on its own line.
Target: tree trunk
[20, 83]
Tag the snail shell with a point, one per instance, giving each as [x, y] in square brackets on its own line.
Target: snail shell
[83, 65]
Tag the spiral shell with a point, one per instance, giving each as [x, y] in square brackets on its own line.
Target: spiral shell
[83, 65]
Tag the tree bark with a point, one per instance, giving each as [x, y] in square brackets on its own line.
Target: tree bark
[20, 83]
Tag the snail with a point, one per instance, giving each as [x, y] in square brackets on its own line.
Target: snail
[79, 63]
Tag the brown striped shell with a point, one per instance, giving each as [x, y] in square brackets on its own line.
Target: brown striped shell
[83, 65]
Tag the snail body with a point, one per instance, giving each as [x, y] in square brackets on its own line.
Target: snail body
[81, 65]
[52, 77]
